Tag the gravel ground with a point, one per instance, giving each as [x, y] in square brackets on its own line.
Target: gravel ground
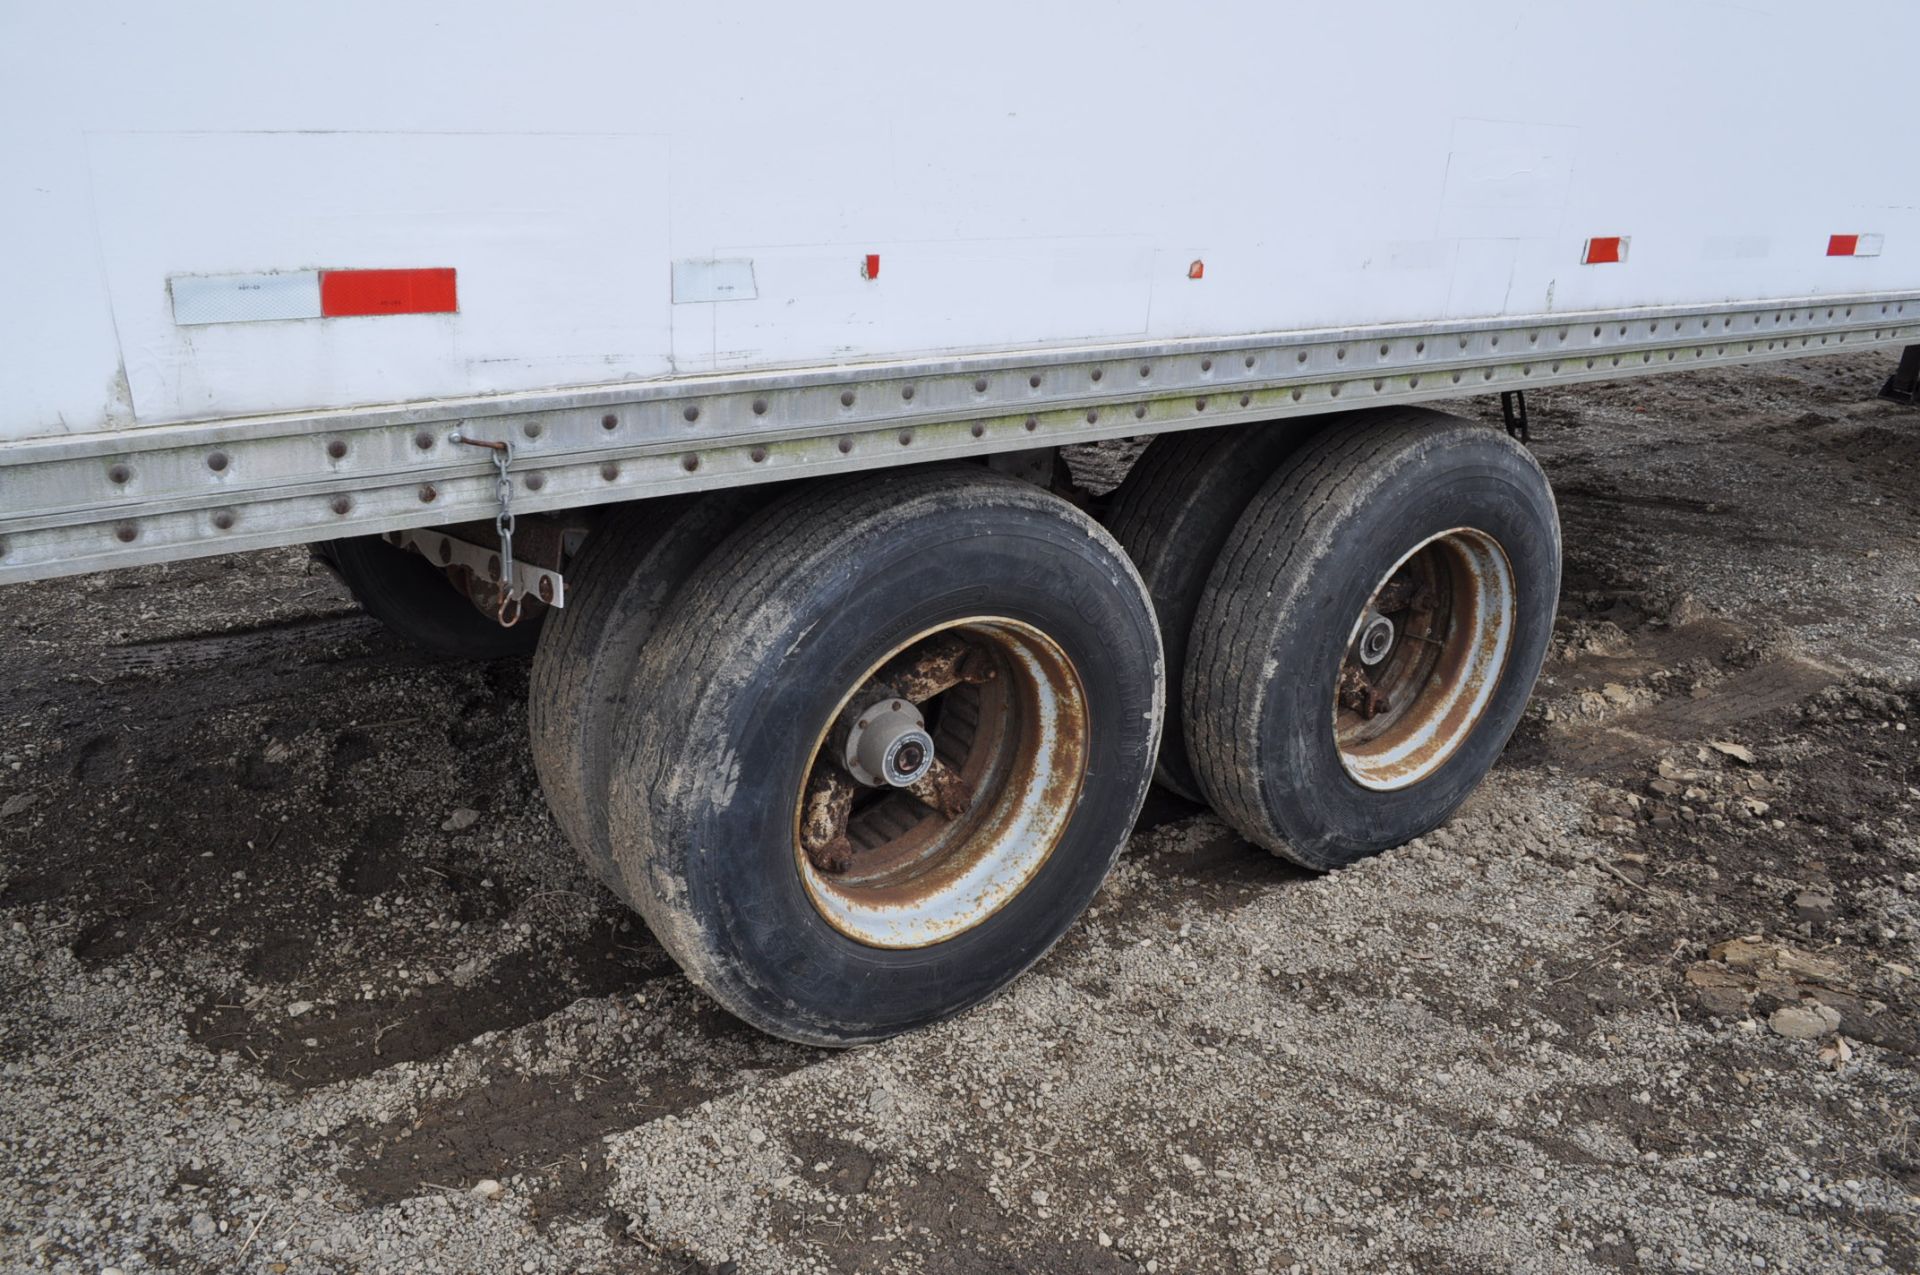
[296, 973]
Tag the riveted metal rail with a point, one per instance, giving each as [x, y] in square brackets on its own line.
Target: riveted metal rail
[160, 493]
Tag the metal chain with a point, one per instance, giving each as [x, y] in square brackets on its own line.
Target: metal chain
[507, 612]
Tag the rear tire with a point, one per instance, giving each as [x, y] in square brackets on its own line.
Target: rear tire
[1439, 536]
[1172, 515]
[417, 602]
[768, 652]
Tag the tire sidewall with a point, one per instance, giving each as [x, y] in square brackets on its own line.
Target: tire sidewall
[1327, 817]
[766, 950]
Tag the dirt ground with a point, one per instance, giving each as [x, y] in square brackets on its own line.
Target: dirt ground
[292, 957]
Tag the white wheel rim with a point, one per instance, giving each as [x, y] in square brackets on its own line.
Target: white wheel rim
[1438, 692]
[933, 882]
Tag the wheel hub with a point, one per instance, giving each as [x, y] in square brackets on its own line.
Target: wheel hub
[888, 745]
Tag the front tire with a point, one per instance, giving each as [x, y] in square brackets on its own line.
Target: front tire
[1372, 634]
[1008, 645]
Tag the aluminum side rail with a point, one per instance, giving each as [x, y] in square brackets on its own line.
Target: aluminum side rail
[169, 492]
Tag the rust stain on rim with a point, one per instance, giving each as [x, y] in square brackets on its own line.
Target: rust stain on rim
[1450, 651]
[890, 870]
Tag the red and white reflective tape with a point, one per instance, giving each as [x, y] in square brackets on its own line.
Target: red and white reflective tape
[1607, 250]
[1855, 245]
[311, 294]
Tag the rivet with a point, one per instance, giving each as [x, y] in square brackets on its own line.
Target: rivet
[536, 481]
[1033, 423]
[532, 429]
[341, 504]
[1385, 350]
[1245, 399]
[846, 445]
[979, 428]
[979, 385]
[1139, 411]
[759, 407]
[906, 392]
[1296, 393]
[757, 455]
[1335, 391]
[1487, 375]
[1496, 343]
[217, 462]
[1097, 374]
[125, 533]
[223, 520]
[1300, 357]
[906, 437]
[1146, 371]
[692, 413]
[1034, 381]
[1463, 343]
[1413, 382]
[1093, 418]
[423, 440]
[1340, 353]
[1249, 360]
[689, 463]
[1199, 405]
[337, 448]
[427, 493]
[119, 473]
[609, 421]
[1419, 347]
[609, 472]
[546, 588]
[1206, 365]
[846, 398]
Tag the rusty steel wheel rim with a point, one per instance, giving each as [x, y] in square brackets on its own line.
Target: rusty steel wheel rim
[1424, 659]
[896, 864]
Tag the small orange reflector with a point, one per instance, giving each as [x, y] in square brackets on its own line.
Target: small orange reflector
[871, 270]
[1198, 270]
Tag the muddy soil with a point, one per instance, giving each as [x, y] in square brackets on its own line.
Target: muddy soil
[292, 957]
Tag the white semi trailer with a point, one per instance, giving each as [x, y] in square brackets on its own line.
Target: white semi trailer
[677, 336]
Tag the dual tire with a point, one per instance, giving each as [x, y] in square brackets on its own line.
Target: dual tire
[1433, 536]
[1000, 633]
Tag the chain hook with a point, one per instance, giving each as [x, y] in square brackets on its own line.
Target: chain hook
[507, 612]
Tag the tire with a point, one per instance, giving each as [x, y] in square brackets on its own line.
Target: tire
[618, 586]
[1287, 750]
[417, 602]
[776, 638]
[1172, 515]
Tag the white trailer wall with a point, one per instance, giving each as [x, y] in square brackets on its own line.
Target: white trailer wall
[1028, 175]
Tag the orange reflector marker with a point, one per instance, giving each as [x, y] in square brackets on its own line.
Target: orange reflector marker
[1854, 245]
[871, 270]
[1198, 270]
[1607, 251]
[352, 292]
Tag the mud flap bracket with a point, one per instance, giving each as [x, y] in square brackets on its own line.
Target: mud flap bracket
[1513, 408]
[1904, 385]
